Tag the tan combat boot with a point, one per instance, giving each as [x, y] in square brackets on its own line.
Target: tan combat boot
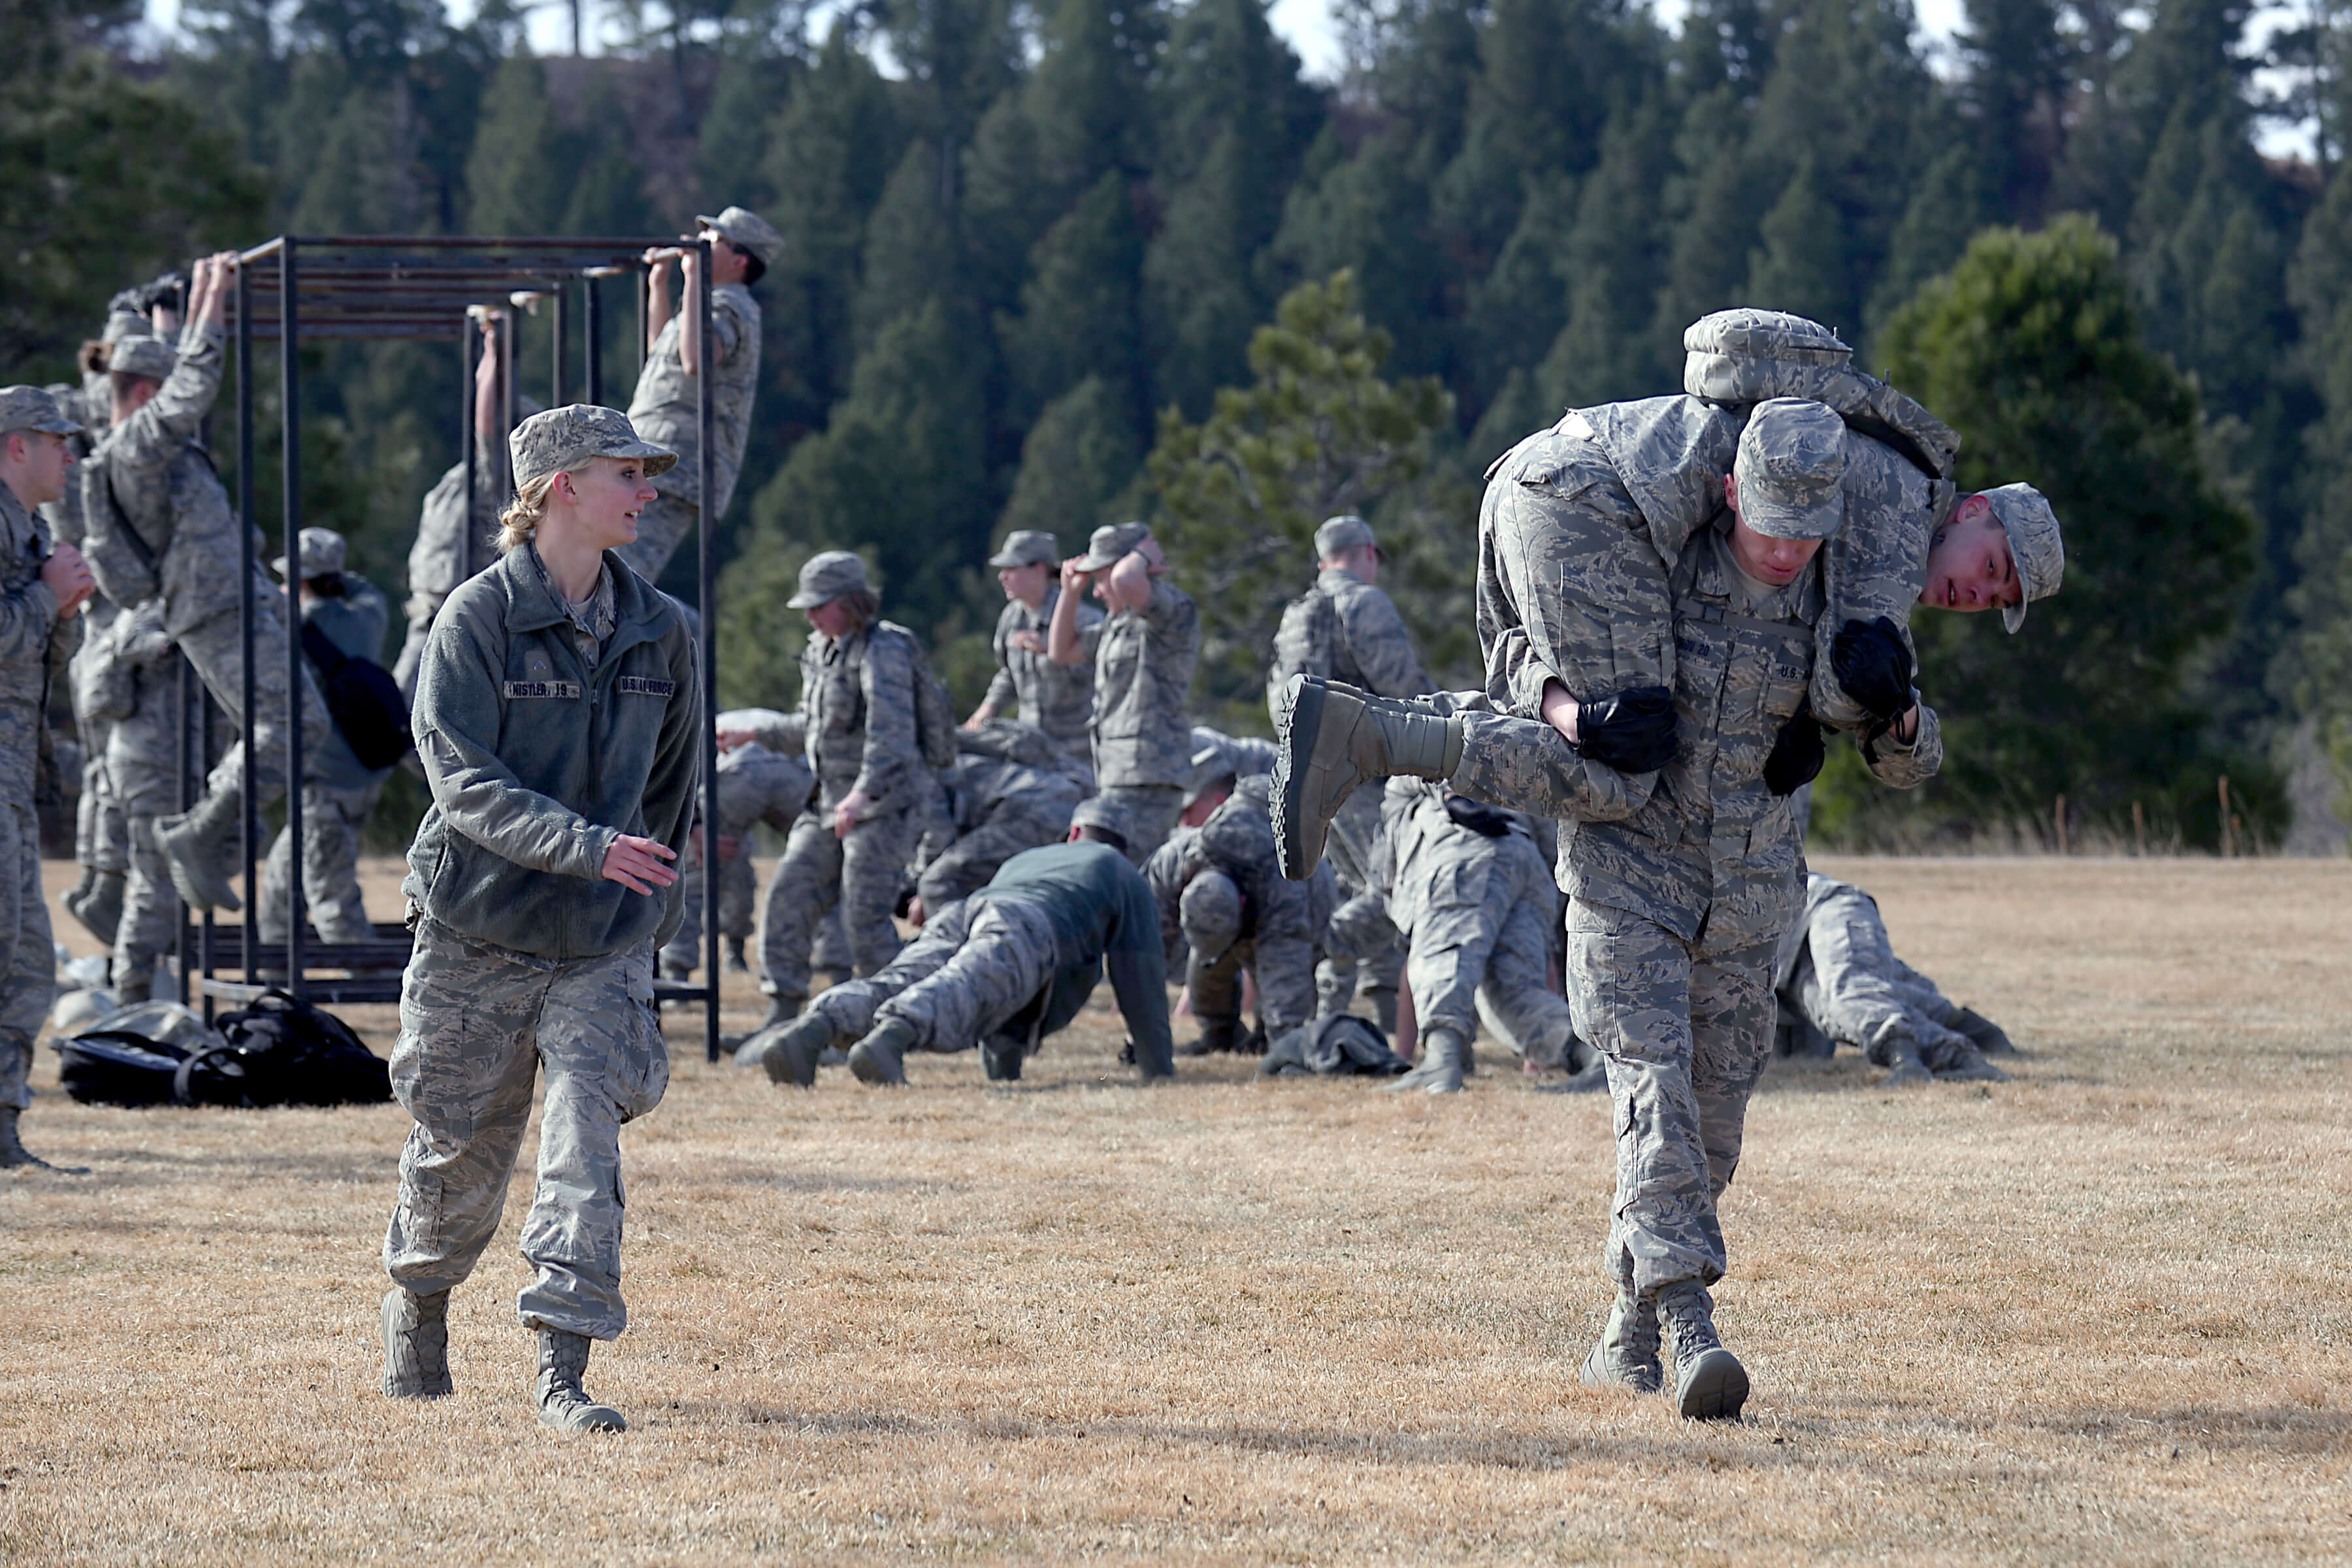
[1332, 738]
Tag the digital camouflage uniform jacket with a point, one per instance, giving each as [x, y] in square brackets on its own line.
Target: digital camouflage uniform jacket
[857, 699]
[150, 476]
[1285, 919]
[538, 762]
[30, 654]
[1059, 698]
[1143, 680]
[667, 407]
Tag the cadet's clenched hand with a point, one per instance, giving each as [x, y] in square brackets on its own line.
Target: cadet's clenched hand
[68, 576]
[1874, 666]
[1633, 731]
[636, 863]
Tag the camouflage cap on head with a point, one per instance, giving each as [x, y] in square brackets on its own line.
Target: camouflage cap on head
[564, 441]
[1342, 533]
[323, 553]
[1792, 461]
[122, 324]
[2034, 545]
[1028, 547]
[1213, 769]
[151, 358]
[826, 576]
[1210, 913]
[32, 408]
[749, 230]
[1104, 819]
[1112, 544]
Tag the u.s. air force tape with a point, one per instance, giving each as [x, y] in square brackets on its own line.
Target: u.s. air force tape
[542, 688]
[645, 686]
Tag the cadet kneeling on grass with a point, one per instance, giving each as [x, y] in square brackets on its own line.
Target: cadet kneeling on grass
[556, 714]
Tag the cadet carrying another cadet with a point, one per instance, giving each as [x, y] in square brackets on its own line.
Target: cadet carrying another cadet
[42, 583]
[558, 718]
[1143, 659]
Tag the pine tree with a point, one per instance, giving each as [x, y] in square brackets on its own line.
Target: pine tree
[1079, 459]
[514, 180]
[2312, 674]
[912, 256]
[1078, 310]
[1804, 262]
[898, 471]
[1610, 349]
[830, 155]
[1318, 430]
[2031, 347]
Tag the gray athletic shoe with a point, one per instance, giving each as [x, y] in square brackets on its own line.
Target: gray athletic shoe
[880, 1059]
[1440, 1069]
[416, 1344]
[1332, 738]
[1626, 1354]
[790, 1053]
[1709, 1383]
[563, 1404]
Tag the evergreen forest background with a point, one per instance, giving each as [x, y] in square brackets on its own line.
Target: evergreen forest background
[1057, 263]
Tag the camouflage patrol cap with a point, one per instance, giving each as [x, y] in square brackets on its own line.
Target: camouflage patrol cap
[564, 441]
[1792, 461]
[1210, 913]
[1213, 769]
[2034, 545]
[323, 553]
[122, 324]
[1028, 547]
[749, 230]
[1112, 544]
[1341, 534]
[148, 357]
[826, 576]
[32, 408]
[1104, 819]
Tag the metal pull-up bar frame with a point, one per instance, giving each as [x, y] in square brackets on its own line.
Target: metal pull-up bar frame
[382, 287]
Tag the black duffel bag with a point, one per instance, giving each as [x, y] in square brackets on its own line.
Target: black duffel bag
[280, 1051]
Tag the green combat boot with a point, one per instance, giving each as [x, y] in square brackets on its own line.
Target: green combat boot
[880, 1059]
[97, 902]
[200, 846]
[1440, 1069]
[1987, 1037]
[1218, 1035]
[15, 1155]
[1709, 1383]
[1626, 1355]
[1000, 1057]
[736, 962]
[1332, 738]
[416, 1344]
[790, 1054]
[1900, 1054]
[1964, 1064]
[562, 1403]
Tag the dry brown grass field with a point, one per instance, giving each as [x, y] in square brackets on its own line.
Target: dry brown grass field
[2102, 1313]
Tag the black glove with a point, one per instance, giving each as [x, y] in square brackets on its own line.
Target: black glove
[1797, 755]
[1477, 817]
[1874, 667]
[1633, 731]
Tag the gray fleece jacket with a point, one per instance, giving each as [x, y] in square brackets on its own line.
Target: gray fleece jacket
[537, 764]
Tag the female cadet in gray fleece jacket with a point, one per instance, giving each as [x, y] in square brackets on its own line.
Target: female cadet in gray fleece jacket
[556, 714]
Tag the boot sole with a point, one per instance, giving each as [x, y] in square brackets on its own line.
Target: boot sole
[1715, 1390]
[1289, 819]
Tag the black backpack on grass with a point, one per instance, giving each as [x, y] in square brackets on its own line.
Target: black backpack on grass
[280, 1051]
